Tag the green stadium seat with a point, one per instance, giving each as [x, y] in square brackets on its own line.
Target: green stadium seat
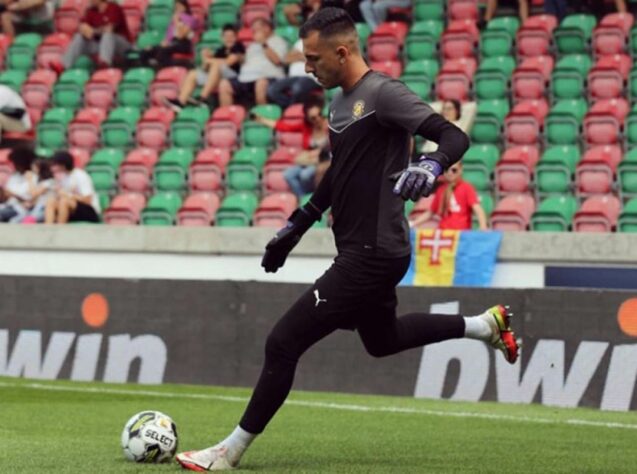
[488, 122]
[237, 209]
[255, 134]
[69, 89]
[118, 128]
[418, 83]
[104, 199]
[628, 218]
[567, 79]
[21, 54]
[422, 40]
[478, 165]
[103, 168]
[158, 16]
[495, 43]
[486, 201]
[210, 39]
[429, 10]
[574, 33]
[132, 91]
[244, 170]
[363, 31]
[627, 174]
[492, 79]
[161, 209]
[51, 131]
[84, 62]
[148, 39]
[222, 12]
[554, 214]
[187, 130]
[171, 171]
[554, 171]
[563, 123]
[13, 78]
[426, 67]
[289, 33]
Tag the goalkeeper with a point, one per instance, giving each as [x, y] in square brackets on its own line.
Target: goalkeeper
[371, 123]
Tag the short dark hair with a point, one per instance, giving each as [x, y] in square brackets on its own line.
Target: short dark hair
[328, 21]
[184, 3]
[22, 159]
[313, 101]
[229, 27]
[44, 169]
[63, 158]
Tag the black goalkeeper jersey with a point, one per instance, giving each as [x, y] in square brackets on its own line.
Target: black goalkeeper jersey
[370, 130]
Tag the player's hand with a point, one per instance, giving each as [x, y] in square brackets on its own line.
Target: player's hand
[286, 238]
[418, 179]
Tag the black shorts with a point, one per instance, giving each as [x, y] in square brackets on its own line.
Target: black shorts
[84, 213]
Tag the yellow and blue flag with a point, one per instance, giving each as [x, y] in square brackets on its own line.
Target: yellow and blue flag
[452, 258]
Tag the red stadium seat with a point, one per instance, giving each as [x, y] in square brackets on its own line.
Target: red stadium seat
[383, 47]
[603, 123]
[454, 80]
[136, 170]
[100, 90]
[274, 209]
[166, 84]
[523, 124]
[459, 40]
[5, 42]
[251, 11]
[36, 91]
[245, 36]
[154, 127]
[81, 157]
[125, 209]
[612, 33]
[514, 170]
[463, 10]
[606, 78]
[68, 16]
[232, 113]
[278, 161]
[84, 130]
[222, 134]
[534, 37]
[596, 171]
[208, 169]
[198, 210]
[530, 78]
[51, 49]
[134, 11]
[513, 212]
[597, 214]
[391, 68]
[397, 29]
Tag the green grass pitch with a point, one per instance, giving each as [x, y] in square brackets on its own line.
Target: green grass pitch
[51, 427]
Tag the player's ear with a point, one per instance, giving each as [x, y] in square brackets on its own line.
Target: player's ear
[342, 53]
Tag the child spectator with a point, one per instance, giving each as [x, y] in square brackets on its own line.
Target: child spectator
[16, 192]
[41, 188]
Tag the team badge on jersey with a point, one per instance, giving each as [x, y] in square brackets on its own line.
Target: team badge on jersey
[358, 109]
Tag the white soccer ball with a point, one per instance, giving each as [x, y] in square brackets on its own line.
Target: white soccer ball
[149, 436]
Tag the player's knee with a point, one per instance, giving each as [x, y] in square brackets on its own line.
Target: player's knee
[280, 347]
[376, 349]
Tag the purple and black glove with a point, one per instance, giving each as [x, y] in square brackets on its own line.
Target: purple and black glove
[286, 238]
[418, 179]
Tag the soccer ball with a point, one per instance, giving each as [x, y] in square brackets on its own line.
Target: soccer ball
[149, 436]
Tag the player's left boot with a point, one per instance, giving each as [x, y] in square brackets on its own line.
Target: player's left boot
[209, 459]
[499, 320]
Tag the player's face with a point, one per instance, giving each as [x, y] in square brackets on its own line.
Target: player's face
[322, 60]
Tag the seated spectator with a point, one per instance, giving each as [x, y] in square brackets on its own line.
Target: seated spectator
[22, 15]
[178, 39]
[224, 64]
[263, 62]
[298, 85]
[461, 115]
[300, 177]
[557, 8]
[40, 188]
[16, 192]
[375, 11]
[13, 112]
[298, 13]
[350, 6]
[454, 201]
[600, 8]
[74, 199]
[492, 5]
[103, 32]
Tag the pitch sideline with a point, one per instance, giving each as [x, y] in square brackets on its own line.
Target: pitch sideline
[330, 406]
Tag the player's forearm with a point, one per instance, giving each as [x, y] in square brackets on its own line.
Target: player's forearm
[452, 142]
[322, 197]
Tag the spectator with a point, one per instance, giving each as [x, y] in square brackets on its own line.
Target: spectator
[224, 64]
[350, 6]
[521, 5]
[298, 13]
[263, 62]
[21, 14]
[298, 85]
[375, 11]
[75, 199]
[300, 177]
[178, 39]
[454, 202]
[461, 115]
[16, 193]
[40, 187]
[600, 8]
[103, 31]
[13, 112]
[557, 8]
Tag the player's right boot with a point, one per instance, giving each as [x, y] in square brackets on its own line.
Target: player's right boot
[498, 318]
[210, 459]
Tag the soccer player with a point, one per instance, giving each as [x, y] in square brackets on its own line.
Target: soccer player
[371, 123]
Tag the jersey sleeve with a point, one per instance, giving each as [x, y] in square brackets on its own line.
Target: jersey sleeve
[398, 106]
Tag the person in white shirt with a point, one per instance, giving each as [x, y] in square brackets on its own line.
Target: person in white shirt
[263, 62]
[298, 85]
[13, 111]
[16, 191]
[462, 115]
[23, 13]
[75, 199]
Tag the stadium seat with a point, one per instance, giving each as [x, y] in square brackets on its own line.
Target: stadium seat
[422, 40]
[69, 89]
[103, 168]
[255, 134]
[67, 17]
[562, 125]
[136, 171]
[161, 209]
[84, 130]
[187, 130]
[132, 91]
[554, 214]
[208, 170]
[531, 77]
[125, 209]
[198, 210]
[383, 47]
[154, 127]
[490, 115]
[497, 38]
[514, 171]
[232, 113]
[171, 171]
[157, 16]
[51, 131]
[244, 169]
[524, 123]
[604, 121]
[289, 33]
[513, 213]
[275, 166]
[612, 33]
[397, 29]
[236, 210]
[100, 90]
[221, 13]
[253, 10]
[81, 157]
[478, 165]
[595, 172]
[274, 210]
[534, 37]
[574, 33]
[597, 214]
[627, 174]
[36, 90]
[492, 79]
[391, 68]
[628, 218]
[606, 79]
[119, 127]
[567, 80]
[554, 170]
[454, 79]
[459, 39]
[134, 13]
[21, 53]
[462, 10]
[429, 9]
[13, 79]
[166, 84]
[51, 49]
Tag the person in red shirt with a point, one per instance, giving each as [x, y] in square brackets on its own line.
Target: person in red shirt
[102, 32]
[454, 201]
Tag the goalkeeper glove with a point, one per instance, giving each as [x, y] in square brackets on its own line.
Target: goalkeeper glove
[418, 179]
